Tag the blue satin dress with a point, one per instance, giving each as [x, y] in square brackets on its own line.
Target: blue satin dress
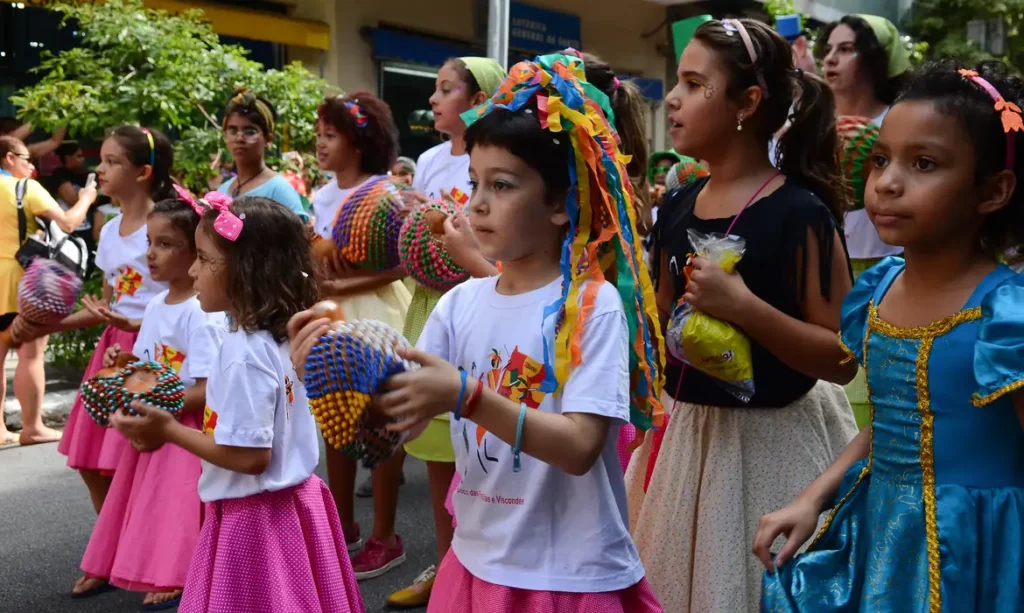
[933, 519]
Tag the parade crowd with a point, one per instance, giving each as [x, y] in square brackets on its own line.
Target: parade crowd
[842, 246]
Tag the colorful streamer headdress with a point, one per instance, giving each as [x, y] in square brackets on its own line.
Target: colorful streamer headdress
[602, 235]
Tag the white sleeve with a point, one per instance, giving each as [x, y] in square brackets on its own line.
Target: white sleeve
[600, 384]
[204, 340]
[246, 401]
[148, 320]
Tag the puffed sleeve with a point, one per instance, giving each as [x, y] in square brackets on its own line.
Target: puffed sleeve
[999, 352]
[853, 324]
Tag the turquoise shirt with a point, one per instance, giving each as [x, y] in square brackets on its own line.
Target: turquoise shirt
[277, 189]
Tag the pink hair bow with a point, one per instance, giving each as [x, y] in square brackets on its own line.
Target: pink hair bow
[227, 224]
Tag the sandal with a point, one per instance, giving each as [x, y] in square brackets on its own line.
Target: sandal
[163, 606]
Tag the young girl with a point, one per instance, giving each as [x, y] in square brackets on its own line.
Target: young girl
[929, 501]
[271, 540]
[249, 124]
[723, 462]
[147, 530]
[546, 530]
[135, 165]
[357, 140]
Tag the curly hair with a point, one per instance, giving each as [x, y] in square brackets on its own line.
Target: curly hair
[159, 156]
[266, 286]
[874, 60]
[182, 216]
[376, 139]
[256, 109]
[949, 93]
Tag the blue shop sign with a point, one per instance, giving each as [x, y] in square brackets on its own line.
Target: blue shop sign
[542, 30]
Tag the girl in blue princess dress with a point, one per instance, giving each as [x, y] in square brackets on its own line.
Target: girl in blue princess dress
[928, 508]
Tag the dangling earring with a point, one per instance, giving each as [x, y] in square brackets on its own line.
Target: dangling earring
[739, 123]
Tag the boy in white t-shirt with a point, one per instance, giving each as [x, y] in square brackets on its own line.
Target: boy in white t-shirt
[535, 365]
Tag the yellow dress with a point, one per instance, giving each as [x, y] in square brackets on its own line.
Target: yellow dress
[388, 303]
[37, 201]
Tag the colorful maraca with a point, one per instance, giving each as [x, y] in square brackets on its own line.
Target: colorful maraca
[857, 136]
[343, 372]
[47, 293]
[367, 225]
[423, 253]
[150, 382]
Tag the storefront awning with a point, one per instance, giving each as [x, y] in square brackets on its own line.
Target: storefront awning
[245, 23]
[391, 44]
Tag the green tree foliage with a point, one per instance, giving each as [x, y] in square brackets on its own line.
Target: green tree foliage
[943, 25]
[148, 67]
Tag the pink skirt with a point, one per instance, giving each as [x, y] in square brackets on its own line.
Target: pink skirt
[455, 589]
[87, 445]
[274, 552]
[147, 531]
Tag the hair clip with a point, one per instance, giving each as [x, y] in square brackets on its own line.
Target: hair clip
[152, 146]
[357, 113]
[1009, 113]
[732, 26]
[184, 194]
[616, 84]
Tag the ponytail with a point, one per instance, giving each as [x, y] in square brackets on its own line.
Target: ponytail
[808, 150]
[630, 108]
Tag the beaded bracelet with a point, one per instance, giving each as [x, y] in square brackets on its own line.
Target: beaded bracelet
[516, 467]
[474, 398]
[462, 394]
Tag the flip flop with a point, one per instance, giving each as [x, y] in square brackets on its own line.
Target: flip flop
[10, 440]
[102, 588]
[162, 606]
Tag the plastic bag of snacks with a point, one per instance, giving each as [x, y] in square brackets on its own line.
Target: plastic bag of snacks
[712, 346]
[343, 372]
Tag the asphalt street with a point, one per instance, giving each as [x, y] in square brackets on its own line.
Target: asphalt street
[46, 519]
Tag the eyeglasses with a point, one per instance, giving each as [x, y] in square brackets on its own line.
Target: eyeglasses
[247, 133]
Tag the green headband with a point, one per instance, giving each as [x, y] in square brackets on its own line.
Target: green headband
[488, 73]
[888, 36]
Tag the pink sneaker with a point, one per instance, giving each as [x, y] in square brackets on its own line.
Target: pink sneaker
[353, 541]
[377, 558]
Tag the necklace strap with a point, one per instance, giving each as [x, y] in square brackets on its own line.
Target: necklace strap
[751, 201]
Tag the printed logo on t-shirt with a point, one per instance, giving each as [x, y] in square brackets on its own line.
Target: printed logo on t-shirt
[459, 196]
[128, 282]
[289, 389]
[209, 420]
[518, 378]
[168, 356]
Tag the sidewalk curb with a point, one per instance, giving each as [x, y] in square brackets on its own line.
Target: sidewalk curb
[56, 408]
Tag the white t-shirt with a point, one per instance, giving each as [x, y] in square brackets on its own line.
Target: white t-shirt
[437, 170]
[541, 528]
[254, 399]
[862, 239]
[181, 336]
[326, 201]
[123, 262]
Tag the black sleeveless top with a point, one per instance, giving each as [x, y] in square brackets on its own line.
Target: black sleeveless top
[775, 229]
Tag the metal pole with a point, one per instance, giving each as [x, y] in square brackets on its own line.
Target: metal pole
[497, 31]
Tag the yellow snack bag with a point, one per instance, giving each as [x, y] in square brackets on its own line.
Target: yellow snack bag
[712, 346]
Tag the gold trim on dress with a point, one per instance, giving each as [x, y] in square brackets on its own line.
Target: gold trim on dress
[980, 401]
[850, 357]
[864, 472]
[928, 475]
[932, 330]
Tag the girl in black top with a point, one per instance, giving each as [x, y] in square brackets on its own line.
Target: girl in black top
[721, 461]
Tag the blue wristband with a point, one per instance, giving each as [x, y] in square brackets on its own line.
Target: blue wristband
[516, 466]
[462, 394]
